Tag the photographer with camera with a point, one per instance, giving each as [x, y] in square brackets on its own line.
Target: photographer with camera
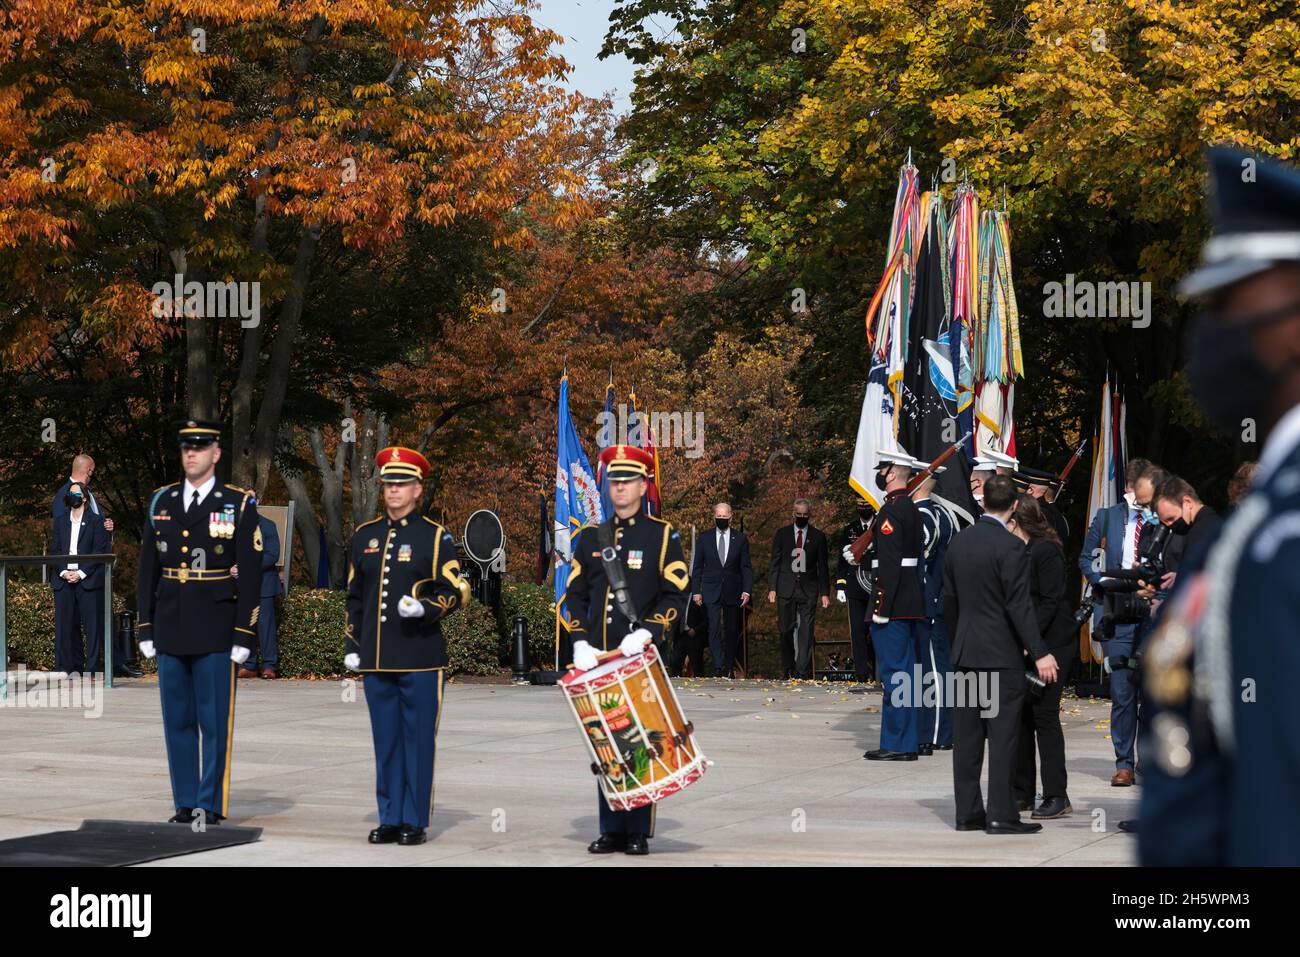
[1116, 558]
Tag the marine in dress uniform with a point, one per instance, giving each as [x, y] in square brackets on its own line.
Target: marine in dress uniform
[849, 590]
[933, 650]
[1220, 672]
[899, 606]
[197, 618]
[650, 551]
[403, 579]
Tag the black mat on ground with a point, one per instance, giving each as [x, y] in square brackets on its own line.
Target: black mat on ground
[118, 843]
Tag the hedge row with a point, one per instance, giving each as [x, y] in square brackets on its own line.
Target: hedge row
[311, 624]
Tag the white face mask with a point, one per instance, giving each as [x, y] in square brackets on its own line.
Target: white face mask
[1131, 498]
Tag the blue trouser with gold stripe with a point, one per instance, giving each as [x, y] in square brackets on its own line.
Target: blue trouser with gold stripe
[896, 655]
[198, 696]
[404, 710]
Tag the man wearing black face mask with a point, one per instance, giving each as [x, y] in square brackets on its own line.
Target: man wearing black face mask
[721, 583]
[1220, 671]
[850, 590]
[799, 576]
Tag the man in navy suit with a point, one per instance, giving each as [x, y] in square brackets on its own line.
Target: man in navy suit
[1112, 542]
[78, 589]
[83, 469]
[722, 583]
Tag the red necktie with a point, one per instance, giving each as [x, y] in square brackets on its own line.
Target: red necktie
[798, 539]
[1137, 536]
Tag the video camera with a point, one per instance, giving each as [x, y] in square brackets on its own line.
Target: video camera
[1117, 589]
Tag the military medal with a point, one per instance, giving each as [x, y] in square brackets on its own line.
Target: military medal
[634, 559]
[219, 549]
[374, 543]
[404, 553]
[212, 524]
[162, 546]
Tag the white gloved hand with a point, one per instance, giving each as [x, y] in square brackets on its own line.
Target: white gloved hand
[848, 555]
[146, 648]
[840, 596]
[352, 662]
[1105, 665]
[409, 607]
[635, 643]
[876, 619]
[584, 656]
[239, 654]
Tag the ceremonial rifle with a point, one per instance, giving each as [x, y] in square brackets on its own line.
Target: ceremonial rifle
[863, 541]
[1065, 472]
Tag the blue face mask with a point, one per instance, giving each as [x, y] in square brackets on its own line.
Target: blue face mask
[1149, 516]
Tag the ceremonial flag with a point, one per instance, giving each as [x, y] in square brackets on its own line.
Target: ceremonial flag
[997, 358]
[577, 499]
[875, 432]
[963, 244]
[642, 436]
[890, 307]
[1102, 490]
[543, 542]
[607, 436]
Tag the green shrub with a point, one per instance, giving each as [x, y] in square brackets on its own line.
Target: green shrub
[536, 603]
[30, 623]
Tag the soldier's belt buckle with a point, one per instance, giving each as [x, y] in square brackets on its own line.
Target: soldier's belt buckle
[184, 575]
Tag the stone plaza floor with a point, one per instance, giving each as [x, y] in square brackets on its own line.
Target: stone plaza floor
[788, 785]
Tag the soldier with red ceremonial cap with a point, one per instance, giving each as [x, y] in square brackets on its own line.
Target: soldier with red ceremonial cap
[650, 553]
[403, 579]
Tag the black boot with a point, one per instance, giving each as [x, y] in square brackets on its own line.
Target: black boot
[608, 844]
[637, 844]
[385, 834]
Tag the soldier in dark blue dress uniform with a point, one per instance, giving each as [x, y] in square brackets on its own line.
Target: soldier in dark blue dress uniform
[650, 551]
[403, 579]
[933, 648]
[198, 619]
[850, 590]
[1221, 670]
[899, 606]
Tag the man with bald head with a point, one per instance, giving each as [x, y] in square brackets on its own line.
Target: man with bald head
[83, 468]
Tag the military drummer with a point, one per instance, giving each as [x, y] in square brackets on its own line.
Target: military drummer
[403, 579]
[650, 552]
[198, 619]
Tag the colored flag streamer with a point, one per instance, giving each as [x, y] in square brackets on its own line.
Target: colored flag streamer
[1105, 488]
[577, 498]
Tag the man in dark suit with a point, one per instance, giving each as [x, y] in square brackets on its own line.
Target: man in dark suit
[83, 469]
[799, 577]
[722, 581]
[988, 608]
[78, 589]
[689, 642]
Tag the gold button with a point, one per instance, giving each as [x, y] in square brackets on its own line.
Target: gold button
[185, 533]
[183, 565]
[184, 548]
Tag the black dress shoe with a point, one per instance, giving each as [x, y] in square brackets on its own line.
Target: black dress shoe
[411, 835]
[385, 834]
[1128, 827]
[976, 825]
[943, 747]
[1052, 808]
[925, 750]
[1011, 827]
[883, 754]
[1024, 804]
[184, 815]
[637, 845]
[608, 844]
[125, 671]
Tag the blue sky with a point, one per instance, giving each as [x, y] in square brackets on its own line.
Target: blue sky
[583, 23]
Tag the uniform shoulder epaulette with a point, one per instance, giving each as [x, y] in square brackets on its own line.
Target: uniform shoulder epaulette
[163, 488]
[433, 523]
[370, 522]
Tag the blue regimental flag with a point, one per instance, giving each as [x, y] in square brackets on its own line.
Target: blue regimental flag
[577, 496]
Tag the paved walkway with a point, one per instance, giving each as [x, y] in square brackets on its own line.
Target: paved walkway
[788, 787]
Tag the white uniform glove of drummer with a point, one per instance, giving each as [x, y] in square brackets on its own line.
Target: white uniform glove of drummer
[584, 656]
[352, 661]
[409, 607]
[840, 596]
[635, 642]
[238, 654]
[848, 555]
[146, 648]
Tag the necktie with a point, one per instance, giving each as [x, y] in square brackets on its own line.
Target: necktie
[798, 539]
[194, 501]
[722, 547]
[1137, 536]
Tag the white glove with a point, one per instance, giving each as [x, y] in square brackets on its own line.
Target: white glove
[635, 643]
[848, 555]
[409, 607]
[146, 648]
[352, 662]
[876, 619]
[238, 654]
[1105, 665]
[840, 596]
[584, 656]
